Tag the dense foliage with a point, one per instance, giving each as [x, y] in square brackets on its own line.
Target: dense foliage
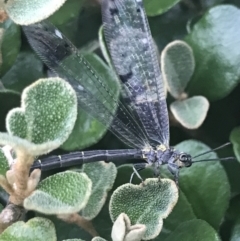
[199, 51]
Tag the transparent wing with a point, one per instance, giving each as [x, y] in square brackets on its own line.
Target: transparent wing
[93, 95]
[135, 60]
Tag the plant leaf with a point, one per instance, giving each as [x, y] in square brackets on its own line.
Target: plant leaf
[190, 112]
[123, 231]
[88, 128]
[148, 203]
[177, 64]
[235, 231]
[98, 239]
[36, 229]
[193, 230]
[156, 7]
[102, 175]
[46, 118]
[10, 44]
[3, 163]
[26, 69]
[63, 193]
[203, 182]
[27, 12]
[215, 43]
[235, 139]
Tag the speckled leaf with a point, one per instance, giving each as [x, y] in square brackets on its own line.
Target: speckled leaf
[205, 184]
[215, 42]
[235, 139]
[75, 239]
[197, 230]
[123, 231]
[98, 239]
[10, 45]
[102, 175]
[148, 203]
[190, 112]
[27, 12]
[45, 119]
[156, 7]
[26, 69]
[87, 130]
[3, 163]
[36, 229]
[177, 64]
[63, 193]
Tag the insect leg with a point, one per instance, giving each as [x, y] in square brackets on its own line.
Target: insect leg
[136, 168]
[174, 169]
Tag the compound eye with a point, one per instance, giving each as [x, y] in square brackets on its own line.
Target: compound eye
[183, 157]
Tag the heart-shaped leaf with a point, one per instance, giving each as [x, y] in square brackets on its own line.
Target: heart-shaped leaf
[101, 184]
[27, 12]
[177, 64]
[190, 112]
[215, 42]
[36, 229]
[148, 203]
[63, 193]
[46, 118]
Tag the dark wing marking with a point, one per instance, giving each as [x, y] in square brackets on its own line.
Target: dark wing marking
[94, 96]
[135, 60]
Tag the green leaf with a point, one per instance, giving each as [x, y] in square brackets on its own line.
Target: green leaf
[98, 239]
[235, 139]
[66, 230]
[235, 234]
[181, 213]
[190, 112]
[233, 209]
[10, 44]
[63, 193]
[156, 7]
[8, 101]
[27, 12]
[148, 203]
[203, 182]
[123, 231]
[75, 239]
[101, 185]
[36, 229]
[26, 69]
[197, 230]
[177, 64]
[215, 43]
[46, 118]
[4, 167]
[86, 127]
[68, 11]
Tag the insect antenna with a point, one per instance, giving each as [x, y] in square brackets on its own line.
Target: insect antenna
[217, 148]
[217, 159]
